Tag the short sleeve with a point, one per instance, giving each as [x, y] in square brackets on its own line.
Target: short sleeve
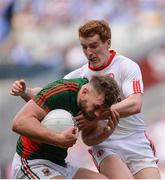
[131, 79]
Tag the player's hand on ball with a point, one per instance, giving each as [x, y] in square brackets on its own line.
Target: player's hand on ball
[68, 137]
[18, 88]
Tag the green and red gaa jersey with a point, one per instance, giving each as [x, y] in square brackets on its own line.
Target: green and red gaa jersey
[61, 94]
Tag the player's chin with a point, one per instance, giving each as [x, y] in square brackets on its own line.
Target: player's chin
[95, 65]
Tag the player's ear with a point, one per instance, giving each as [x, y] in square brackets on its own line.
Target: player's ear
[85, 90]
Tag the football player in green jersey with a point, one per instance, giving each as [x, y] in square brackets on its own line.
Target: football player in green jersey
[41, 152]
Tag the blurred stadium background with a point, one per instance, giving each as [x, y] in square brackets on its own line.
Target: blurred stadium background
[39, 43]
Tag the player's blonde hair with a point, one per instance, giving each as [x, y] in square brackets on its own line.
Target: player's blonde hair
[94, 27]
[107, 86]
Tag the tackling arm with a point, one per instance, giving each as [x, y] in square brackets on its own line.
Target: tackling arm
[19, 89]
[129, 106]
[29, 93]
[132, 90]
[96, 134]
[96, 131]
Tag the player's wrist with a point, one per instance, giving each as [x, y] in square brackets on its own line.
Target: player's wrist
[24, 93]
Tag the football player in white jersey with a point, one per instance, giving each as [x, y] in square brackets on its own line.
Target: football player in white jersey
[128, 152]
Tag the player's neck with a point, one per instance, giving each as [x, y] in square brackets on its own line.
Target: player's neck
[112, 54]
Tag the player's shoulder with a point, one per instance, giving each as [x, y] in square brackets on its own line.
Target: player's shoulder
[126, 62]
[77, 72]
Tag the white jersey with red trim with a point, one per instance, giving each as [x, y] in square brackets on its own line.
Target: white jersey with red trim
[128, 76]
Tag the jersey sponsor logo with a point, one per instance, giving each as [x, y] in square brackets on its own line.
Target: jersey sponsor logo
[136, 86]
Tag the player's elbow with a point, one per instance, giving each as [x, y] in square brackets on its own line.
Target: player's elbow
[134, 104]
[136, 100]
[136, 107]
[16, 126]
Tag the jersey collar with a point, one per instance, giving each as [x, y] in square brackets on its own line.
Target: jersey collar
[112, 55]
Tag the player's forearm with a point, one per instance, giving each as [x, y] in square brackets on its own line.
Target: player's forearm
[27, 123]
[129, 106]
[32, 128]
[30, 93]
[97, 135]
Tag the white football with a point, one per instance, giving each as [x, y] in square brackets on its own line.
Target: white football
[58, 120]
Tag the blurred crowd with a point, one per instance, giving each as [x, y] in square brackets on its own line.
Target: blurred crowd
[45, 33]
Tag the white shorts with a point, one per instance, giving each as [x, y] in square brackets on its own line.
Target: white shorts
[40, 169]
[135, 150]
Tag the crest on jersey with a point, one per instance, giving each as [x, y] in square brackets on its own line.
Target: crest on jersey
[46, 172]
[100, 152]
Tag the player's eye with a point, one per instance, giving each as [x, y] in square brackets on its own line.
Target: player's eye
[93, 46]
[84, 47]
